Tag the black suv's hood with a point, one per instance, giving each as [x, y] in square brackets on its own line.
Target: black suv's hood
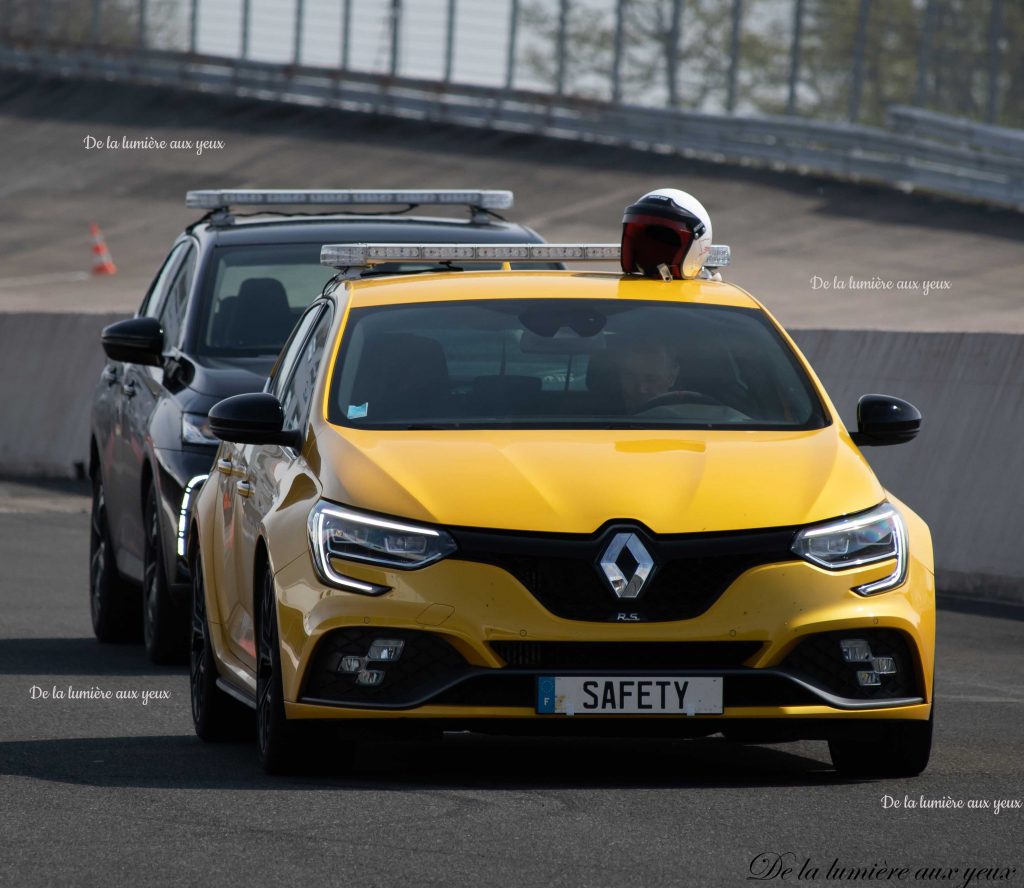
[220, 378]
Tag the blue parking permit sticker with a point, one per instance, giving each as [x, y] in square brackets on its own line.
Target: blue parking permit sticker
[546, 694]
[358, 411]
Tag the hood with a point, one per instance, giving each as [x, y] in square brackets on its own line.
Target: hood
[221, 377]
[574, 481]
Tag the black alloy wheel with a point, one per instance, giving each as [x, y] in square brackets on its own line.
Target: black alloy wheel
[215, 714]
[113, 601]
[164, 623]
[276, 736]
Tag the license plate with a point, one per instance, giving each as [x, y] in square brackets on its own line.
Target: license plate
[646, 695]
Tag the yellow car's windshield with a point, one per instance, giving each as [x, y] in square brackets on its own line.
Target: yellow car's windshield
[550, 363]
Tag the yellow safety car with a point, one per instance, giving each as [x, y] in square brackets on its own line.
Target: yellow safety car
[556, 502]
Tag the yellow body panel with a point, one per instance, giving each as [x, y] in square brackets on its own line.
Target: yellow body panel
[556, 481]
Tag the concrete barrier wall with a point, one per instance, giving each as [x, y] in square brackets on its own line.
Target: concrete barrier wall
[49, 364]
[964, 474]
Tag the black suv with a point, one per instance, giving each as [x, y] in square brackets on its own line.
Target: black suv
[211, 326]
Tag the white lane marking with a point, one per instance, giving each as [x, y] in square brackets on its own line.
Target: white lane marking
[976, 698]
[36, 280]
[27, 505]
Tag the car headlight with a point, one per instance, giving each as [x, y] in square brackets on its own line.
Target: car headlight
[876, 535]
[195, 429]
[339, 532]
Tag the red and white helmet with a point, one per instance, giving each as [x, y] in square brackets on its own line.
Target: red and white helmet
[666, 232]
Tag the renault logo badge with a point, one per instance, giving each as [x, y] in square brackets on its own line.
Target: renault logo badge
[615, 564]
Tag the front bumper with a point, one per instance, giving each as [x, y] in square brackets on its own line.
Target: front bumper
[488, 639]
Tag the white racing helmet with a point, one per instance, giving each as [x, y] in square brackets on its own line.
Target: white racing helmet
[667, 233]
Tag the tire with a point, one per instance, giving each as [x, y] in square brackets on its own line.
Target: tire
[277, 739]
[903, 751]
[164, 623]
[215, 715]
[114, 603]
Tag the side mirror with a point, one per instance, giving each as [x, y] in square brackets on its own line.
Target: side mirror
[255, 418]
[136, 340]
[883, 419]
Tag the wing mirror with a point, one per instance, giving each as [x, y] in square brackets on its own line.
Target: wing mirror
[883, 420]
[256, 418]
[135, 340]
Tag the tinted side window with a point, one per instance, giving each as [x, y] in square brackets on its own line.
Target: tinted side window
[281, 373]
[173, 311]
[154, 300]
[298, 393]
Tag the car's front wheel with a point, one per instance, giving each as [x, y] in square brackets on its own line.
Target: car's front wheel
[215, 714]
[902, 750]
[276, 737]
[164, 623]
[113, 601]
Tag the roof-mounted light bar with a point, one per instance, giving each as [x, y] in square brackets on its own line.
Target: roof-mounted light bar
[718, 256]
[364, 255]
[222, 199]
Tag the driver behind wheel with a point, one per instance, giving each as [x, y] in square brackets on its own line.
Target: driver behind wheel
[634, 375]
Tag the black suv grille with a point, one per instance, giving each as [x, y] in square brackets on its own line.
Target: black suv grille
[819, 659]
[427, 663]
[691, 571]
[625, 654]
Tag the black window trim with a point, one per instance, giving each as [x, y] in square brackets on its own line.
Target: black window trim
[171, 263]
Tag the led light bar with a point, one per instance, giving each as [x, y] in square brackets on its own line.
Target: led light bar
[718, 256]
[224, 198]
[362, 255]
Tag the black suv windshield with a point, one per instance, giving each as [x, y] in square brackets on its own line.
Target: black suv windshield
[547, 363]
[254, 294]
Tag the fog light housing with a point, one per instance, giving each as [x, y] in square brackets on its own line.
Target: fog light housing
[385, 649]
[868, 678]
[855, 650]
[370, 678]
[350, 664]
[884, 665]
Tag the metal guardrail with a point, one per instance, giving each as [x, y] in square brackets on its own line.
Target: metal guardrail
[923, 124]
[928, 152]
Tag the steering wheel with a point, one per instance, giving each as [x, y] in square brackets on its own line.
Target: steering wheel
[680, 397]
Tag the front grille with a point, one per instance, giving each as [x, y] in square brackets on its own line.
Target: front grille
[561, 571]
[819, 659]
[427, 663]
[670, 655]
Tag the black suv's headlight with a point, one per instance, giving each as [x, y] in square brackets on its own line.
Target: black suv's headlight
[195, 429]
[876, 535]
[339, 532]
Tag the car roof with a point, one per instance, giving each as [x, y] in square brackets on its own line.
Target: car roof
[573, 284]
[266, 228]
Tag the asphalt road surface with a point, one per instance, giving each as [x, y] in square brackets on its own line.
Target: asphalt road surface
[122, 792]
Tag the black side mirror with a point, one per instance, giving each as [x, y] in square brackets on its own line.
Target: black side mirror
[136, 340]
[883, 419]
[255, 418]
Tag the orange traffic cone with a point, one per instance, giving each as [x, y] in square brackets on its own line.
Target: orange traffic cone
[102, 262]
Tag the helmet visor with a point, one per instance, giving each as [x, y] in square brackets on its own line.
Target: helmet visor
[651, 241]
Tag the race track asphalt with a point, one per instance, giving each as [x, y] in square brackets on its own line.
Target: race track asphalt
[122, 793]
